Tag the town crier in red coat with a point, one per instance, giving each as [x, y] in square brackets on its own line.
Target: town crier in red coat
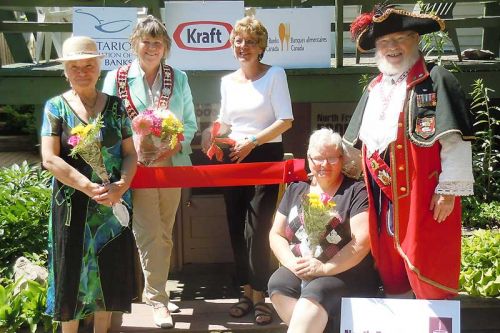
[414, 130]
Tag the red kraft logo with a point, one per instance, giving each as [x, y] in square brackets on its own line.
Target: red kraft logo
[203, 35]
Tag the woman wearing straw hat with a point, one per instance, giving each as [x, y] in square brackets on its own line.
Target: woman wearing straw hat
[90, 249]
[414, 129]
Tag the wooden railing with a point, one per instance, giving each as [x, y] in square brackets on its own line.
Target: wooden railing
[490, 21]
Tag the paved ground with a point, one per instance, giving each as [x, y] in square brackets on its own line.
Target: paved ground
[204, 292]
[195, 316]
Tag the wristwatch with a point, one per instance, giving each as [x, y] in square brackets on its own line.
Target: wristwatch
[253, 140]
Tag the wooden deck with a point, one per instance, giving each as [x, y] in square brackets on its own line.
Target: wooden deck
[195, 316]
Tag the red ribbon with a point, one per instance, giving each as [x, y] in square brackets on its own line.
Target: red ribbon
[259, 173]
[214, 148]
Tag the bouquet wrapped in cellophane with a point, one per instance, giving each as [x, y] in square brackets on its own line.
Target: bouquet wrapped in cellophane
[318, 211]
[155, 133]
[86, 142]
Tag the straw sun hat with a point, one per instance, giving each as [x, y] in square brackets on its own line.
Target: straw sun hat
[79, 48]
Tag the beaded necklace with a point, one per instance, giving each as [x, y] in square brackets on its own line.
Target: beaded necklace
[386, 96]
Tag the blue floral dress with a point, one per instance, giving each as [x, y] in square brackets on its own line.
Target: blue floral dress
[90, 252]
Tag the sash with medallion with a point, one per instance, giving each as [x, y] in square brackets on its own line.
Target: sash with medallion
[124, 90]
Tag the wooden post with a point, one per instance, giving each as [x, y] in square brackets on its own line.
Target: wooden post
[491, 35]
[339, 33]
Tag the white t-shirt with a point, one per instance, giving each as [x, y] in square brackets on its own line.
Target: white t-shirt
[250, 107]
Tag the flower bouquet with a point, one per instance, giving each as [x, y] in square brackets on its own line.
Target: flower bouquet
[318, 210]
[216, 142]
[156, 132]
[86, 142]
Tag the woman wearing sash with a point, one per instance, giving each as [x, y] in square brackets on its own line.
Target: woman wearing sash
[149, 83]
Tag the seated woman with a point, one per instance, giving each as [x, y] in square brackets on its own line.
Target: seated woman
[306, 290]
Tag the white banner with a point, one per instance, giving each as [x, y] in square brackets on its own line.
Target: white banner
[200, 33]
[298, 37]
[385, 315]
[110, 28]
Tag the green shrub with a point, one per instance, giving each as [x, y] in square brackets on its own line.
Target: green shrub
[26, 309]
[18, 119]
[486, 147]
[24, 210]
[480, 273]
[476, 214]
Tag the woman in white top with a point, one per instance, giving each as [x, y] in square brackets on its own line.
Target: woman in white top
[256, 109]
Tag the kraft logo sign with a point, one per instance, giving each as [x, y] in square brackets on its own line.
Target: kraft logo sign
[203, 35]
[107, 27]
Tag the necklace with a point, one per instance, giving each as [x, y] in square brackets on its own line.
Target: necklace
[386, 96]
[88, 105]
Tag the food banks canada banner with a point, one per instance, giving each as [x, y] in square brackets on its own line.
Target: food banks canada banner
[200, 33]
[110, 28]
[386, 315]
[298, 37]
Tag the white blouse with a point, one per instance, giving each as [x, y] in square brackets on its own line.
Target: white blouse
[250, 107]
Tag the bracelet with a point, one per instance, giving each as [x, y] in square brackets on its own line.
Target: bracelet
[253, 140]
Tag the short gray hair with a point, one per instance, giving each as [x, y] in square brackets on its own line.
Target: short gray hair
[324, 137]
[351, 157]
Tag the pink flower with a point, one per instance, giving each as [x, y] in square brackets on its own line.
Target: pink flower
[325, 198]
[156, 125]
[142, 124]
[73, 140]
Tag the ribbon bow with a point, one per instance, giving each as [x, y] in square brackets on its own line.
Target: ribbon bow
[214, 140]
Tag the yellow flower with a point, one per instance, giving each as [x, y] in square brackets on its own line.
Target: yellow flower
[78, 130]
[173, 141]
[82, 130]
[87, 129]
[317, 213]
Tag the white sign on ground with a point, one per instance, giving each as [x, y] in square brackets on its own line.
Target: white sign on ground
[385, 315]
[298, 37]
[110, 28]
[200, 33]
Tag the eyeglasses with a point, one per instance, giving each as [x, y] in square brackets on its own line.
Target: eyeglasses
[248, 42]
[384, 42]
[321, 160]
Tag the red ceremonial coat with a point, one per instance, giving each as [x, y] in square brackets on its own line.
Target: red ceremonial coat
[430, 250]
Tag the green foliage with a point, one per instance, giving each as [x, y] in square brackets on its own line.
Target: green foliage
[365, 80]
[486, 148]
[18, 119]
[476, 214]
[25, 204]
[25, 309]
[480, 273]
[433, 43]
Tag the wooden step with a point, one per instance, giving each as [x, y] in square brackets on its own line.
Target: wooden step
[195, 316]
[478, 315]
[18, 143]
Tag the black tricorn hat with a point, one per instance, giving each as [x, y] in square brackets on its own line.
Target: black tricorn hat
[386, 19]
